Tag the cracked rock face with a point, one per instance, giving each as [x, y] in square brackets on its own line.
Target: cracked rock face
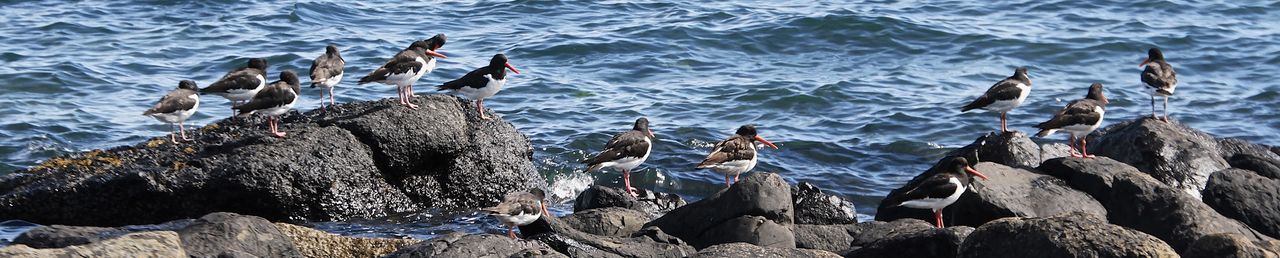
[756, 210]
[357, 160]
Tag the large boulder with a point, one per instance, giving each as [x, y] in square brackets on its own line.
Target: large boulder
[142, 244]
[1012, 149]
[756, 210]
[1246, 196]
[1092, 176]
[222, 234]
[1265, 167]
[1171, 152]
[1068, 235]
[316, 243]
[650, 202]
[1230, 245]
[648, 242]
[1140, 202]
[610, 221]
[745, 250]
[812, 206]
[1230, 147]
[483, 245]
[1009, 192]
[359, 160]
[925, 243]
[842, 239]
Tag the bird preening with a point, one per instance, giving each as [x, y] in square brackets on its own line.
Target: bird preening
[735, 155]
[519, 209]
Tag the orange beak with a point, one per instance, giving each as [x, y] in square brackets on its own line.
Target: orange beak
[513, 68]
[975, 172]
[1144, 62]
[651, 134]
[766, 142]
[435, 54]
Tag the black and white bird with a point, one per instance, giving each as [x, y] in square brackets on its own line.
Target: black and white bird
[735, 155]
[176, 107]
[1079, 118]
[939, 190]
[242, 84]
[403, 69]
[1160, 80]
[483, 82]
[326, 72]
[274, 100]
[519, 209]
[1004, 96]
[625, 152]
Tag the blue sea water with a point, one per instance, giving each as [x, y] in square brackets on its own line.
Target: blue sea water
[859, 96]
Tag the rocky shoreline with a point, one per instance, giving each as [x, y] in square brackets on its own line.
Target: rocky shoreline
[1156, 189]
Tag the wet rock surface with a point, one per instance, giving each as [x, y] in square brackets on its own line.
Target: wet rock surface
[650, 202]
[757, 210]
[1070, 235]
[812, 206]
[1170, 152]
[609, 221]
[1009, 192]
[351, 162]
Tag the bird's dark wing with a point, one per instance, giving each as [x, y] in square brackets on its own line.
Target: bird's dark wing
[517, 203]
[404, 62]
[937, 186]
[475, 79]
[1081, 111]
[242, 79]
[628, 144]
[176, 100]
[276, 94]
[734, 148]
[1006, 89]
[1159, 74]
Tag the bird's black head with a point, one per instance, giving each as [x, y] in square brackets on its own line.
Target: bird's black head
[1155, 54]
[331, 49]
[960, 167]
[500, 61]
[258, 63]
[187, 84]
[1095, 93]
[1021, 73]
[288, 76]
[538, 193]
[436, 42]
[746, 130]
[642, 125]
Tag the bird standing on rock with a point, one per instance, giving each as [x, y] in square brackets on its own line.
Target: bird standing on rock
[1004, 96]
[403, 69]
[1079, 118]
[1160, 80]
[274, 100]
[242, 84]
[625, 151]
[326, 72]
[176, 107]
[519, 209]
[483, 82]
[940, 189]
[735, 155]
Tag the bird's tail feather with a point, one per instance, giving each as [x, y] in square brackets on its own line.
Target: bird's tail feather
[1046, 132]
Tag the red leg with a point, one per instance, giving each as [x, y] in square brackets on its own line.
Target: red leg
[511, 231]
[1004, 128]
[626, 181]
[937, 215]
[1084, 147]
[1072, 143]
[171, 137]
[275, 127]
[480, 108]
[330, 97]
[183, 131]
[726, 181]
[408, 97]
[735, 177]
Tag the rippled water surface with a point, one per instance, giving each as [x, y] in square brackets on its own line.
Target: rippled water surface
[859, 96]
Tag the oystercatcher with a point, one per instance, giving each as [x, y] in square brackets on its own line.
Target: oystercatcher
[274, 100]
[240, 85]
[176, 107]
[1004, 96]
[1079, 118]
[326, 72]
[403, 69]
[735, 155]
[941, 189]
[625, 151]
[483, 82]
[1160, 80]
[519, 209]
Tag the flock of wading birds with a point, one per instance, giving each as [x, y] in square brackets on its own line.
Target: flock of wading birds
[250, 93]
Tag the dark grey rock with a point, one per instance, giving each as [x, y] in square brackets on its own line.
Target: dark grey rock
[756, 210]
[1245, 196]
[141, 244]
[1012, 149]
[1138, 201]
[1009, 192]
[1069, 235]
[609, 221]
[653, 203]
[1227, 245]
[59, 236]
[835, 238]
[359, 160]
[812, 206]
[1092, 176]
[1264, 167]
[648, 242]
[483, 245]
[744, 250]
[1230, 147]
[1172, 153]
[922, 243]
[227, 234]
